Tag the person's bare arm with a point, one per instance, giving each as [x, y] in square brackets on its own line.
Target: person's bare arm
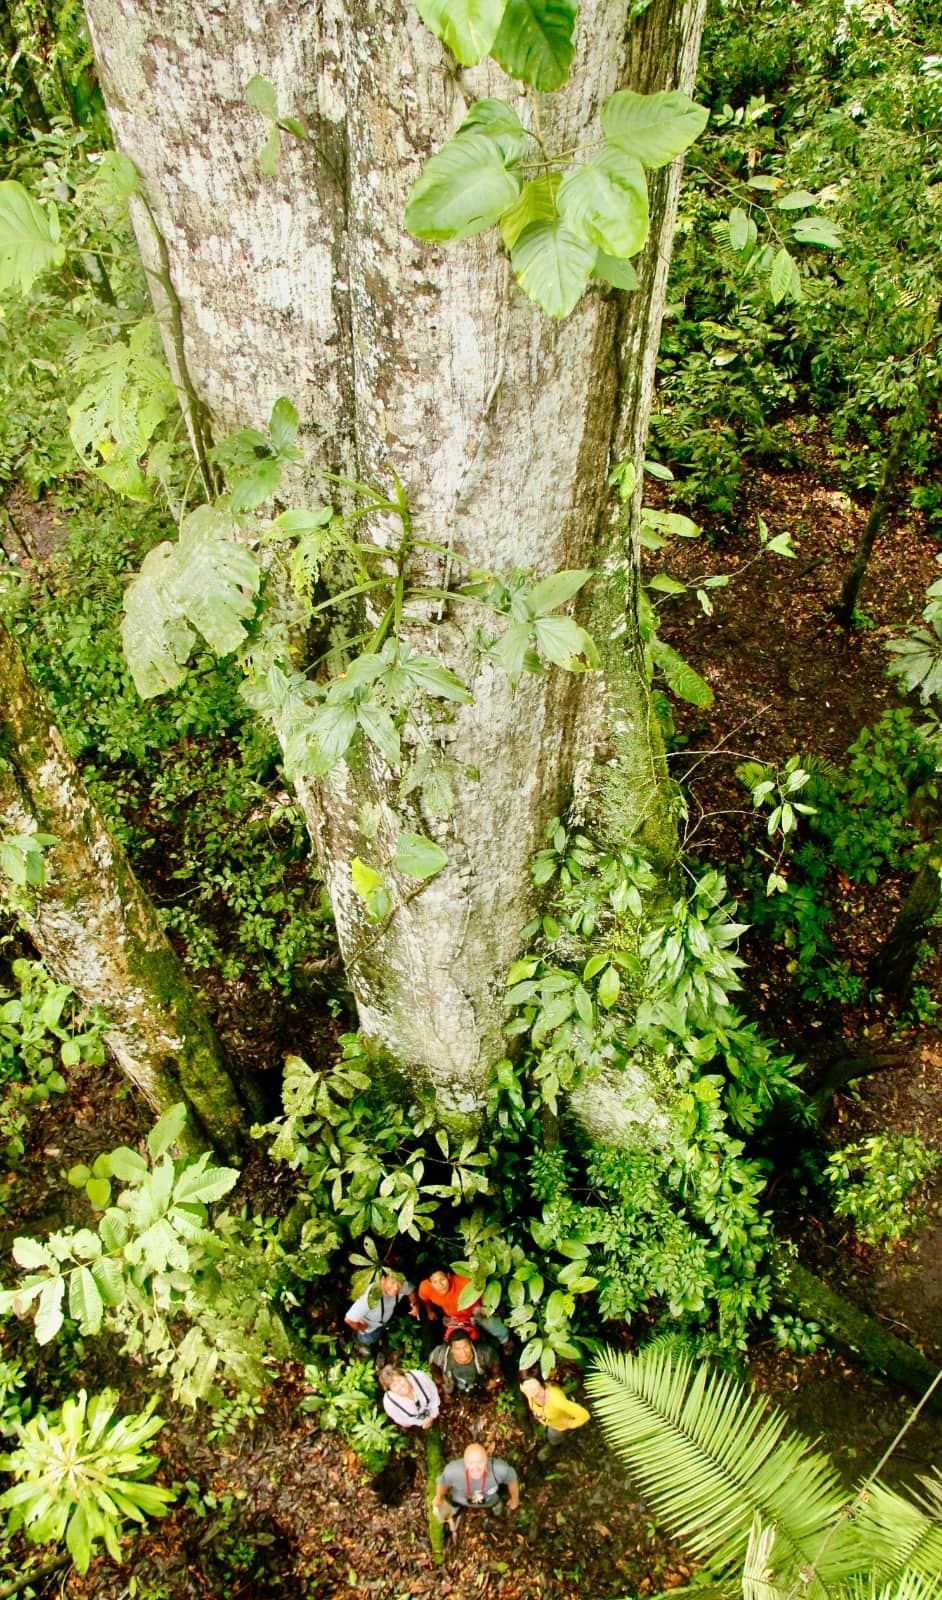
[513, 1494]
[359, 1327]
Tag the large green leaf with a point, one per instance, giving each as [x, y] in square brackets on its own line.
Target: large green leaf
[207, 582]
[564, 642]
[919, 660]
[653, 127]
[49, 1311]
[381, 731]
[464, 189]
[166, 1131]
[535, 41]
[606, 199]
[204, 1183]
[553, 265]
[29, 238]
[537, 202]
[467, 27]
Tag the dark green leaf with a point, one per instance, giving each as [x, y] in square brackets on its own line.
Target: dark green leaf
[535, 42]
[681, 678]
[555, 590]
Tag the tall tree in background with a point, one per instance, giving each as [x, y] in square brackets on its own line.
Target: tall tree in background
[424, 363]
[94, 927]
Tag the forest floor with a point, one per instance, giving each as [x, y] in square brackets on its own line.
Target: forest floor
[281, 1508]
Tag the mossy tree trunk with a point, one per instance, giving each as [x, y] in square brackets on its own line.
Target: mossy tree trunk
[94, 927]
[891, 968]
[500, 423]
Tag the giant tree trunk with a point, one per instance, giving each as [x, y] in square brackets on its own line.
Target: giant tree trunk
[94, 927]
[428, 361]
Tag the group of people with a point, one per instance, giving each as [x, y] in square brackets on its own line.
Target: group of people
[465, 1359]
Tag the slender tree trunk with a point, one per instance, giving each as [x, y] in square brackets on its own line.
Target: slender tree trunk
[29, 101]
[94, 927]
[429, 362]
[891, 968]
[891, 480]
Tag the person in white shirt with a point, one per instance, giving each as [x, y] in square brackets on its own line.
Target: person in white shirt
[411, 1398]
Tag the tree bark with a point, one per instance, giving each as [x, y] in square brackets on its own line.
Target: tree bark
[96, 930]
[429, 362]
[891, 968]
[855, 1331]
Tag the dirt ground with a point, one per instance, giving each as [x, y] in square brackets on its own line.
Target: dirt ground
[283, 1509]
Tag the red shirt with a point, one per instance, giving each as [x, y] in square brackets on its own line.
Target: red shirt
[448, 1302]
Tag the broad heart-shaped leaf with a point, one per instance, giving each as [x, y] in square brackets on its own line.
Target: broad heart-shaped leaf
[464, 188]
[607, 200]
[467, 27]
[555, 590]
[534, 42]
[500, 122]
[620, 274]
[553, 264]
[680, 677]
[29, 238]
[653, 127]
[418, 857]
[784, 279]
[333, 727]
[537, 202]
[918, 663]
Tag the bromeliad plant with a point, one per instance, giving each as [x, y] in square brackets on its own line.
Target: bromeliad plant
[81, 1474]
[710, 1459]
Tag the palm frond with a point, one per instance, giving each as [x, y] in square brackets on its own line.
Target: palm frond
[709, 1456]
[899, 1536]
[759, 1566]
[907, 1585]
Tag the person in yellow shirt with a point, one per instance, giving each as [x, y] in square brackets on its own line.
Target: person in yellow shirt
[550, 1406]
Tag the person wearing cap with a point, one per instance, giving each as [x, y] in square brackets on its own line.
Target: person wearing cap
[369, 1315]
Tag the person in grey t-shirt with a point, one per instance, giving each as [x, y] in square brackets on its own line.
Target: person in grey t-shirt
[368, 1315]
[475, 1480]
